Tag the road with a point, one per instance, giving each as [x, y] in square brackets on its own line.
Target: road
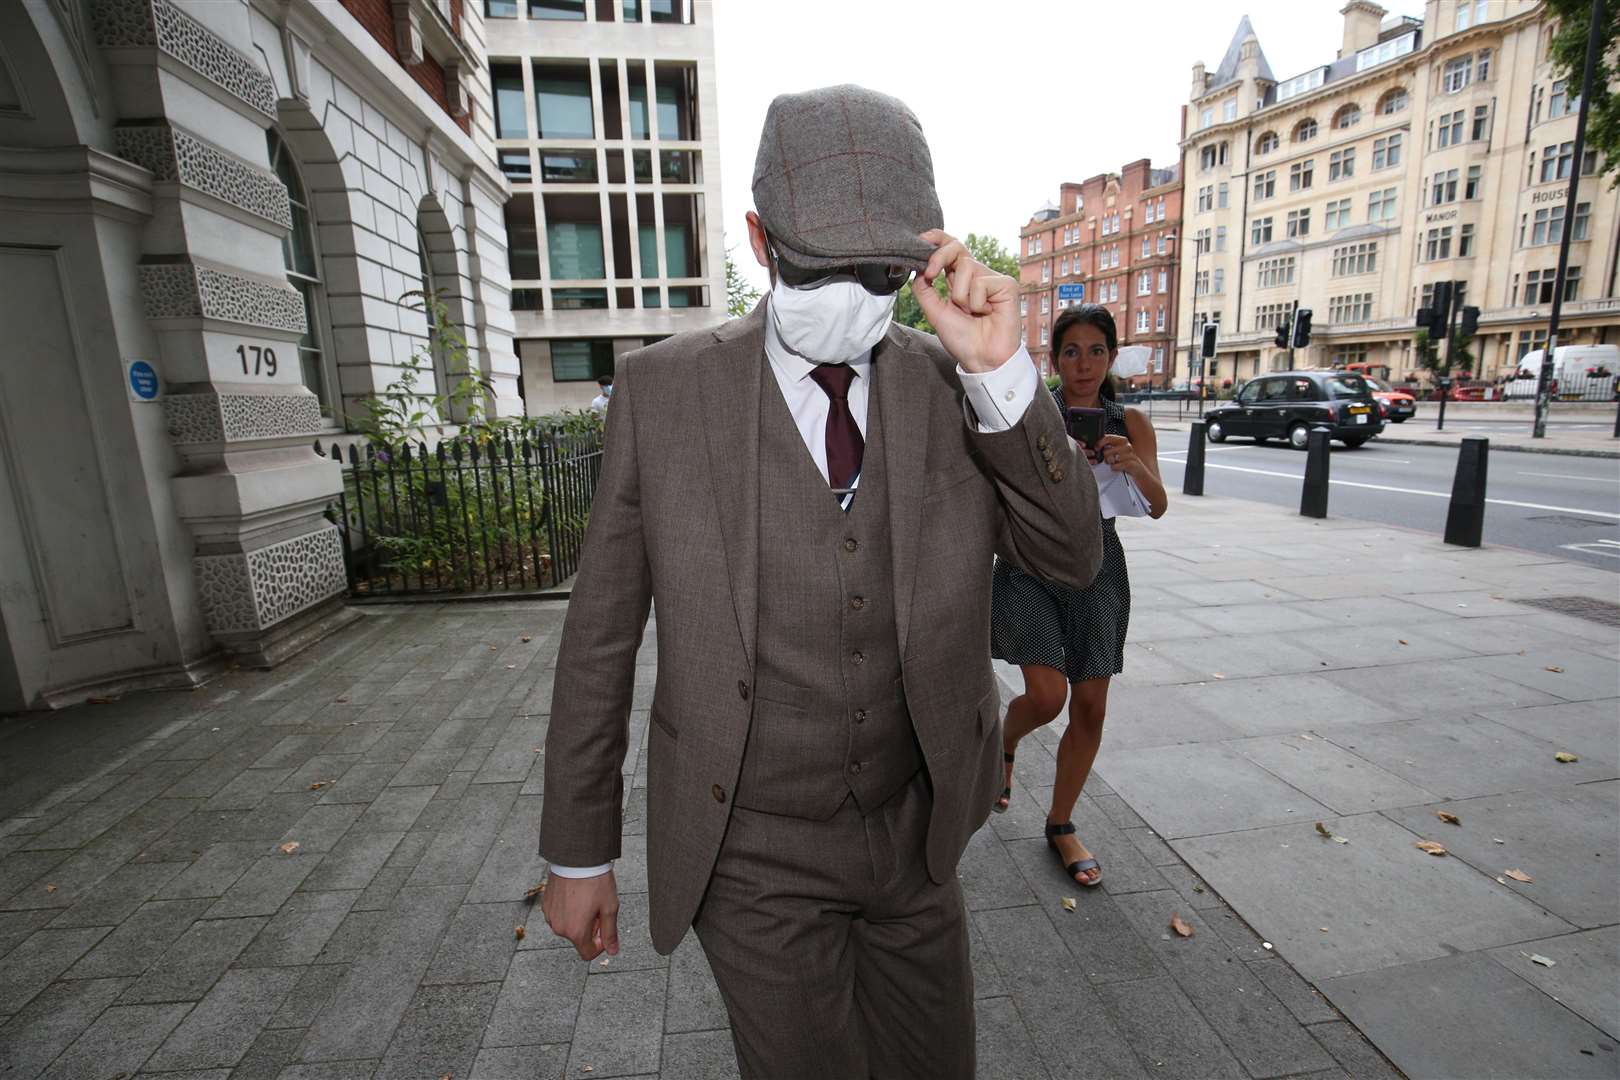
[1559, 505]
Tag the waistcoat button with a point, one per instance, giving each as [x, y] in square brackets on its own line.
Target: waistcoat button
[855, 767]
[742, 689]
[850, 543]
[858, 658]
[860, 716]
[858, 602]
[718, 792]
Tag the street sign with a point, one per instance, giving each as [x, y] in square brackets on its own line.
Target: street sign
[142, 379]
[1075, 292]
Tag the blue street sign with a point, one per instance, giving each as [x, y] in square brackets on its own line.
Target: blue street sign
[143, 381]
[1072, 292]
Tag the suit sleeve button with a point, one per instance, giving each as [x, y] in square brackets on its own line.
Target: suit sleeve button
[1057, 476]
[719, 793]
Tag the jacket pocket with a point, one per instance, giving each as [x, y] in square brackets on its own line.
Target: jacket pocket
[953, 480]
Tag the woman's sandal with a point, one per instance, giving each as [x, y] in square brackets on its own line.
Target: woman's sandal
[1004, 800]
[1079, 866]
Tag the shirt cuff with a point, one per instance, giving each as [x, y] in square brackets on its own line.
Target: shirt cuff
[1000, 397]
[580, 871]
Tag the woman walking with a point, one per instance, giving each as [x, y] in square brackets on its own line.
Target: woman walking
[1070, 642]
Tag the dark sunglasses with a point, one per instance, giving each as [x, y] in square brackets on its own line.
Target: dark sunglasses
[879, 279]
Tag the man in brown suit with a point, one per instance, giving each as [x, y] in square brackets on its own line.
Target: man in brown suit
[824, 732]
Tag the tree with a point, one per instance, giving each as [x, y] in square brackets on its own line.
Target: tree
[1427, 353]
[987, 249]
[1568, 55]
[1461, 358]
[741, 296]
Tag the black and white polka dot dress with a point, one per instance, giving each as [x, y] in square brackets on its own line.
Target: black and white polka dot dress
[1080, 632]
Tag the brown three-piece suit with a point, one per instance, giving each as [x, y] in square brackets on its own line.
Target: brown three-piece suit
[823, 735]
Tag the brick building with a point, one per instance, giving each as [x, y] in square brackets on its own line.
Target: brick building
[211, 215]
[1109, 240]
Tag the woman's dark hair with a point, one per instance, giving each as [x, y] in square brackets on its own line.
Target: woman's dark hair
[1088, 315]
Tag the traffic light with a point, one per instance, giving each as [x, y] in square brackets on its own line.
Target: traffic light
[1470, 322]
[1284, 328]
[1441, 306]
[1207, 351]
[1425, 321]
[1302, 328]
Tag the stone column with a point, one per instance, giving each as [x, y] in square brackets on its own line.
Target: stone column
[268, 565]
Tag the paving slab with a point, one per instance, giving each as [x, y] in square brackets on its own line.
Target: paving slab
[1333, 776]
[1590, 728]
[1217, 790]
[119, 1041]
[1582, 975]
[438, 1035]
[222, 1028]
[620, 1028]
[51, 1022]
[1382, 900]
[1464, 1016]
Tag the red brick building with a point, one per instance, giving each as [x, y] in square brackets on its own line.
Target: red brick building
[1111, 240]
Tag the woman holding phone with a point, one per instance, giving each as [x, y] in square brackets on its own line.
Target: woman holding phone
[1070, 642]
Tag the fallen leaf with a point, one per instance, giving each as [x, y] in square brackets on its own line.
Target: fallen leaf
[1180, 927]
[1340, 840]
[342, 699]
[1564, 757]
[526, 638]
[1068, 903]
[606, 960]
[1497, 840]
[1449, 819]
[1431, 847]
[317, 785]
[1544, 961]
[494, 648]
[50, 888]
[1323, 929]
[519, 932]
[1401, 640]
[534, 894]
[289, 847]
[1198, 888]
[1323, 830]
[587, 1068]
[1555, 669]
[1218, 675]
[511, 667]
[1518, 875]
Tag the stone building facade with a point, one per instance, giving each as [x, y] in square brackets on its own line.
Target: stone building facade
[211, 214]
[1430, 149]
[1111, 240]
[607, 127]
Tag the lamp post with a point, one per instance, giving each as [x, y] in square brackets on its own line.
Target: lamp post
[1192, 345]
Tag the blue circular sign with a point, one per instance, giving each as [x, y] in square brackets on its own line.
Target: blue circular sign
[143, 380]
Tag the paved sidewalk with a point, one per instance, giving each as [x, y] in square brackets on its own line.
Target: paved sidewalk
[152, 924]
[1420, 431]
[1283, 672]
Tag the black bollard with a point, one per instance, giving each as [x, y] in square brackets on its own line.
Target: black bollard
[1440, 419]
[1617, 420]
[1192, 478]
[1465, 519]
[1313, 498]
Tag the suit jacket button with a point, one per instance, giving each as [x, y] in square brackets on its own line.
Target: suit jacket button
[719, 793]
[1046, 452]
[742, 689]
[1057, 476]
[850, 544]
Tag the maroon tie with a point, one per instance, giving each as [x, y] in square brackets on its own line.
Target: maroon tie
[844, 443]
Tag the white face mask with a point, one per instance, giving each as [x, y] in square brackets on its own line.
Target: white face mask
[832, 323]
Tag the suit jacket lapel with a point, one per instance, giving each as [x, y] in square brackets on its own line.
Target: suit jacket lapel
[903, 406]
[731, 375]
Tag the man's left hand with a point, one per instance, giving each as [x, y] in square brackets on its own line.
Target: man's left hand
[979, 323]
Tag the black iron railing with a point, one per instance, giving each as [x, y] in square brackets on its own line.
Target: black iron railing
[465, 516]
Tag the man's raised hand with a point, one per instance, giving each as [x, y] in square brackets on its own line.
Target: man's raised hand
[979, 323]
[585, 911]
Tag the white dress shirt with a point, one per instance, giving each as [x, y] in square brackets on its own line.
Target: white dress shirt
[998, 398]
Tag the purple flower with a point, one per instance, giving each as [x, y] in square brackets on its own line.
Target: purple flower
[384, 456]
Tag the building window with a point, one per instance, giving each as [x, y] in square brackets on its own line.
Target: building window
[1392, 102]
[1348, 116]
[1386, 152]
[506, 83]
[1471, 187]
[1206, 117]
[1267, 143]
[1144, 283]
[581, 359]
[1531, 340]
[1305, 130]
[1229, 109]
[1342, 164]
[1450, 131]
[1444, 188]
[1539, 285]
[1201, 283]
[1164, 280]
[1147, 246]
[1023, 306]
[1158, 321]
[1459, 295]
[1141, 320]
[1300, 174]
[1298, 224]
[302, 263]
[1201, 242]
[1583, 218]
[1045, 331]
[1484, 65]
[1159, 248]
[1273, 273]
[1046, 271]
[1046, 303]
[1355, 259]
[1381, 205]
[1354, 308]
[1337, 215]
[1481, 129]
[1457, 74]
[1260, 232]
[1548, 227]
[1560, 102]
[1271, 316]
[1265, 184]
[1556, 161]
[1438, 245]
[562, 99]
[1221, 188]
[1465, 241]
[1220, 280]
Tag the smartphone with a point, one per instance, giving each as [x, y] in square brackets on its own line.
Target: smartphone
[1086, 426]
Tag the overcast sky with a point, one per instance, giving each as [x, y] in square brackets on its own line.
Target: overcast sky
[1015, 96]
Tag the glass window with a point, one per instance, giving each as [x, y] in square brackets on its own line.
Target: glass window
[303, 267]
[1472, 186]
[1342, 164]
[1392, 102]
[500, 9]
[1299, 224]
[1457, 74]
[568, 166]
[1265, 184]
[1300, 174]
[574, 237]
[1355, 259]
[1381, 205]
[562, 99]
[522, 238]
[1583, 219]
[1267, 143]
[507, 82]
[1387, 152]
[1338, 214]
[1559, 101]
[581, 359]
[1305, 130]
[664, 11]
[1260, 232]
[515, 164]
[1465, 241]
[1346, 385]
[1348, 116]
[565, 10]
[1482, 123]
[1444, 189]
[1229, 110]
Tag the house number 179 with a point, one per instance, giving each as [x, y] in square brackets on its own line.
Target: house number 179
[264, 360]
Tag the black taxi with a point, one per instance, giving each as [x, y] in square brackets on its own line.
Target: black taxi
[1288, 404]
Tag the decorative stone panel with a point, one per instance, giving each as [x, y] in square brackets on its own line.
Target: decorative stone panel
[183, 290]
[156, 23]
[246, 592]
[205, 418]
[172, 153]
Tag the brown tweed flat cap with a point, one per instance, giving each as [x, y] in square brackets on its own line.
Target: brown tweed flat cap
[844, 175]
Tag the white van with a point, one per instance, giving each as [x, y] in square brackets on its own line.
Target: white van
[1586, 372]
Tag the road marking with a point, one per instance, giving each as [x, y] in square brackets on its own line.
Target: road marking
[1417, 491]
[1611, 548]
[1566, 476]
